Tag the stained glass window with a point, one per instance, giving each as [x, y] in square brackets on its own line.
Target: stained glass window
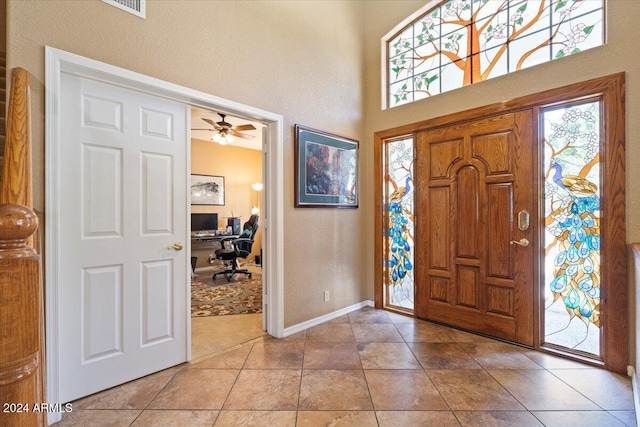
[461, 42]
[398, 246]
[572, 226]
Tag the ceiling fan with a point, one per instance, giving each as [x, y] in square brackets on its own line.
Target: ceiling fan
[225, 131]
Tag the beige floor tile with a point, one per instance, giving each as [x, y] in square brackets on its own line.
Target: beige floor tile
[276, 355]
[331, 355]
[340, 319]
[369, 315]
[331, 332]
[610, 391]
[409, 390]
[175, 418]
[135, 394]
[196, 389]
[275, 390]
[472, 390]
[330, 390]
[213, 334]
[387, 355]
[398, 318]
[423, 332]
[578, 418]
[497, 419]
[98, 418]
[462, 336]
[337, 419]
[256, 419]
[415, 373]
[442, 355]
[417, 418]
[232, 359]
[627, 417]
[549, 361]
[538, 390]
[498, 355]
[376, 332]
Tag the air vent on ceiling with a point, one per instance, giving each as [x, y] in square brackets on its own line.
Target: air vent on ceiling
[137, 7]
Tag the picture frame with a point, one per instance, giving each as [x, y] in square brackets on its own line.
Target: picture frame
[326, 169]
[207, 190]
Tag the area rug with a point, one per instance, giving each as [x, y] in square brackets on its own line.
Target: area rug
[218, 297]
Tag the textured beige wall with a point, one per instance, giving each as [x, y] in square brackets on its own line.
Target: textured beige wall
[301, 59]
[240, 168]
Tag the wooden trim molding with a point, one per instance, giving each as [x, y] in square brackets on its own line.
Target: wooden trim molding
[21, 328]
[615, 292]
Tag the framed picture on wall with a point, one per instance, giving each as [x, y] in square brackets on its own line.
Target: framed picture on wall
[326, 169]
[207, 190]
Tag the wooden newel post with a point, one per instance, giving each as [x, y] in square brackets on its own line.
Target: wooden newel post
[20, 370]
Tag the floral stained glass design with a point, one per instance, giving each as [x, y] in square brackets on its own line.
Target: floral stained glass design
[462, 42]
[572, 226]
[399, 216]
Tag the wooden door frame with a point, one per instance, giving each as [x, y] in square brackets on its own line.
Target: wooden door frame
[611, 91]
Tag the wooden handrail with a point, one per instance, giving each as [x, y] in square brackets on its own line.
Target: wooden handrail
[21, 349]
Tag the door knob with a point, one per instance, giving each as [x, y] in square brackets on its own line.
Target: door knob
[522, 242]
[177, 246]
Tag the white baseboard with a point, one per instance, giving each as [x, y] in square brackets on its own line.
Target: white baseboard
[326, 317]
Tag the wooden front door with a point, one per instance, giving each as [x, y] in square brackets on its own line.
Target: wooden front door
[474, 244]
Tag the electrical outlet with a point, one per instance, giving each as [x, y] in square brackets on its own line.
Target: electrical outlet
[326, 296]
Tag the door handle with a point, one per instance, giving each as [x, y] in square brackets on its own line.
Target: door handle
[177, 246]
[522, 242]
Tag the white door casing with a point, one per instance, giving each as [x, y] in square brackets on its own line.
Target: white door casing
[57, 63]
[122, 284]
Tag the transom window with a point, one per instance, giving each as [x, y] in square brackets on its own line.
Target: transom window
[461, 42]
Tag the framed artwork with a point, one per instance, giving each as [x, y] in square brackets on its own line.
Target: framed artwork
[207, 190]
[326, 169]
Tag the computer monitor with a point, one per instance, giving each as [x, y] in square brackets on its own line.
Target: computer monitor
[204, 222]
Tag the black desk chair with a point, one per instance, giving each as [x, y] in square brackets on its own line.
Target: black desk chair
[234, 248]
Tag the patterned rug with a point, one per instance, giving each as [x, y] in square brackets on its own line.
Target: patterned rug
[218, 297]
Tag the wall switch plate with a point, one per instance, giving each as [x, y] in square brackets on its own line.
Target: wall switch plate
[326, 296]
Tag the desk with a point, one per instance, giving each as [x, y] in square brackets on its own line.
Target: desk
[209, 241]
[205, 245]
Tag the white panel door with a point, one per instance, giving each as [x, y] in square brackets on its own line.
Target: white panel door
[123, 283]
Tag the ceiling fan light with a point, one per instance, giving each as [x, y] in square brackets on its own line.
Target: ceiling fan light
[222, 138]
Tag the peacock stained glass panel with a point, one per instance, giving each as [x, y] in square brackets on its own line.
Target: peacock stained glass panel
[572, 226]
[399, 215]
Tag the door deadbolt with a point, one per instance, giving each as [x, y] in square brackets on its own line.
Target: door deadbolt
[523, 220]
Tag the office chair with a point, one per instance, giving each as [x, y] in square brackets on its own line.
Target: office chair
[234, 248]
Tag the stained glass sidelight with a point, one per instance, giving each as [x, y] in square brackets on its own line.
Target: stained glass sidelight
[572, 226]
[461, 42]
[398, 244]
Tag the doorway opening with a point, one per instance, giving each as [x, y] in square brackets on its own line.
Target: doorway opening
[226, 187]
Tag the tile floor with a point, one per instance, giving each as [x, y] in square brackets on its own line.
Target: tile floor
[368, 368]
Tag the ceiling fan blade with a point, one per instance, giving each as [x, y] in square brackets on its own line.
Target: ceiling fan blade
[243, 135]
[212, 123]
[244, 127]
[210, 130]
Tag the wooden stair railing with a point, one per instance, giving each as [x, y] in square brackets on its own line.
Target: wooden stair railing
[21, 332]
[3, 104]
